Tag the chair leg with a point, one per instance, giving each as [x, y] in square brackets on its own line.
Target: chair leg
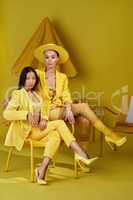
[101, 145]
[8, 159]
[93, 134]
[31, 162]
[75, 163]
[75, 169]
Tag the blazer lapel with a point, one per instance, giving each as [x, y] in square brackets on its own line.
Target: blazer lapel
[26, 101]
[57, 83]
[43, 83]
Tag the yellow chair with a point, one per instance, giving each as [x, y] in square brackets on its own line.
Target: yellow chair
[33, 144]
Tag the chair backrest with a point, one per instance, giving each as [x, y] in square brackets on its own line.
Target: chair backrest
[125, 103]
[124, 110]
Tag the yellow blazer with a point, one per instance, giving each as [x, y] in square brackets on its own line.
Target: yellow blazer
[62, 95]
[16, 112]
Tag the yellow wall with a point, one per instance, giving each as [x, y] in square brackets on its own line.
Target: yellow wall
[97, 33]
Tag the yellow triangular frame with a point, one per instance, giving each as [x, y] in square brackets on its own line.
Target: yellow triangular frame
[45, 33]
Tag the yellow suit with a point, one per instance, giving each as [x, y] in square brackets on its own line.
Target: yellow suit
[20, 129]
[62, 95]
[17, 111]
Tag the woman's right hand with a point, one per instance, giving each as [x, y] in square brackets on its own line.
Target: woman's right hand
[43, 124]
[31, 120]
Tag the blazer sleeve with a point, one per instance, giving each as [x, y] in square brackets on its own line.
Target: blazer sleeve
[66, 95]
[12, 111]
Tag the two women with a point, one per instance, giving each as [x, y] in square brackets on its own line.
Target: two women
[26, 112]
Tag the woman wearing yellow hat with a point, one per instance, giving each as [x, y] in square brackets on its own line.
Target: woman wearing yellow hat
[54, 89]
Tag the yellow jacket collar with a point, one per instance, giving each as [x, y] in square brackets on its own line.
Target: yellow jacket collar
[44, 84]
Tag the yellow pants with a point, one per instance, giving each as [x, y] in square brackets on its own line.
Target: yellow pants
[55, 132]
[82, 109]
[56, 113]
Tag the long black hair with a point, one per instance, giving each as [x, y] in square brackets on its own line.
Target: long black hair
[23, 76]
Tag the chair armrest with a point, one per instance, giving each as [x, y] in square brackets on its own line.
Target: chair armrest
[109, 110]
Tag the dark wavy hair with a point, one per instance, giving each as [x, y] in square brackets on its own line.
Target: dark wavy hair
[23, 76]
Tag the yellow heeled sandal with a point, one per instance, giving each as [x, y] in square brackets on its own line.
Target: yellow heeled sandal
[77, 163]
[39, 181]
[86, 161]
[118, 142]
[110, 136]
[82, 167]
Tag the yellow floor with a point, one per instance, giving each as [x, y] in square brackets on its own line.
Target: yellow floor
[111, 176]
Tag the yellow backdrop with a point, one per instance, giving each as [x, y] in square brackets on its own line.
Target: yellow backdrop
[97, 33]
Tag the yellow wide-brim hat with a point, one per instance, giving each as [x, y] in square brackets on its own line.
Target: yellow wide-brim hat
[39, 52]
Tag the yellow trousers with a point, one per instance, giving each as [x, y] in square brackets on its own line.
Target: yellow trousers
[55, 132]
[82, 109]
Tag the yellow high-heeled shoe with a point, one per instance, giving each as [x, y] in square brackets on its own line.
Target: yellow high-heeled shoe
[86, 161]
[110, 136]
[78, 160]
[39, 181]
[118, 142]
[82, 168]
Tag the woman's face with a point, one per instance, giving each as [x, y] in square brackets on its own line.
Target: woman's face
[30, 81]
[51, 59]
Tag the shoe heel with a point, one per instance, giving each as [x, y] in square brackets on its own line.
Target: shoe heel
[112, 146]
[83, 168]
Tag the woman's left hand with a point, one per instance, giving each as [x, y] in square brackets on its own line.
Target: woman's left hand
[43, 124]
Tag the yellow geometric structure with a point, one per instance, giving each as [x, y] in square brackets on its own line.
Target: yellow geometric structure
[44, 34]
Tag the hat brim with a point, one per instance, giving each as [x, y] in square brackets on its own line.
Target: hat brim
[39, 52]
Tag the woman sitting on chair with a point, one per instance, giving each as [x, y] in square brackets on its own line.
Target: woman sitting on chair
[53, 87]
[28, 118]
